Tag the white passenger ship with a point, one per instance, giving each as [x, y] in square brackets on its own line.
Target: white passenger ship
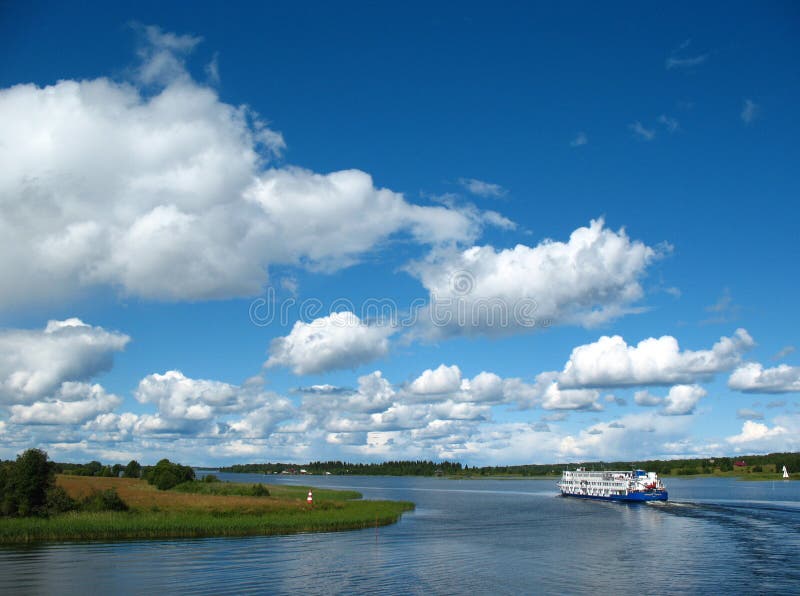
[632, 485]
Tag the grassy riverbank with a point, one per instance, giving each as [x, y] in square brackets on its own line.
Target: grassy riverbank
[174, 514]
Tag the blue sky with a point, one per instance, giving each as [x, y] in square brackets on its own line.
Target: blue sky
[171, 172]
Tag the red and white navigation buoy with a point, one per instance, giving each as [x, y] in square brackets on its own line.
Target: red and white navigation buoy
[310, 498]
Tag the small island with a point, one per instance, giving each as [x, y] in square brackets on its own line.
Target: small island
[167, 502]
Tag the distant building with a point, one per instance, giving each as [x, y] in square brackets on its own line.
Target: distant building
[740, 464]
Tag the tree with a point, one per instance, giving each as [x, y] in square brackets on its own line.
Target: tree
[7, 502]
[27, 484]
[93, 468]
[133, 469]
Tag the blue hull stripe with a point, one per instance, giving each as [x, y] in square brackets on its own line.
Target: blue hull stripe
[632, 497]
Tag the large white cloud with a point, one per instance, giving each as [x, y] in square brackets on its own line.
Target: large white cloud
[591, 278]
[445, 379]
[752, 377]
[166, 194]
[181, 397]
[34, 363]
[756, 436]
[489, 387]
[611, 362]
[454, 419]
[264, 420]
[557, 398]
[445, 382]
[682, 400]
[632, 436]
[374, 394]
[73, 403]
[340, 340]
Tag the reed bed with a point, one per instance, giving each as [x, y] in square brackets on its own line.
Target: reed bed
[277, 491]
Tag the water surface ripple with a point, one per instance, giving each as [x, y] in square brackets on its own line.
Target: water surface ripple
[466, 536]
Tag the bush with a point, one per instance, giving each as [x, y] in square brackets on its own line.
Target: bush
[210, 478]
[166, 475]
[165, 480]
[58, 501]
[103, 500]
[259, 490]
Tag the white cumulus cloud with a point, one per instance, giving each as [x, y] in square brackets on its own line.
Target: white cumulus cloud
[611, 362]
[181, 397]
[164, 192]
[445, 379]
[590, 279]
[35, 363]
[682, 400]
[756, 433]
[557, 398]
[73, 403]
[265, 419]
[752, 377]
[340, 340]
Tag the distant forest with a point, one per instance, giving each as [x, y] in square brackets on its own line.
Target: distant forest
[389, 468]
[678, 467]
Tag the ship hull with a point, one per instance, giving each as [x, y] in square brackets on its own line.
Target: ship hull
[629, 498]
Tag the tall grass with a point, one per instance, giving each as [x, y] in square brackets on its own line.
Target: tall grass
[278, 491]
[173, 514]
[283, 491]
[143, 524]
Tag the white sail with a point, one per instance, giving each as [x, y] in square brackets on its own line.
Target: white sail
[785, 472]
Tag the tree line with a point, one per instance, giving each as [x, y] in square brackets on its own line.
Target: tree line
[754, 463]
[95, 468]
[388, 468]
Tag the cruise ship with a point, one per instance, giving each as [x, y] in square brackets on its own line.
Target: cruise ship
[631, 485]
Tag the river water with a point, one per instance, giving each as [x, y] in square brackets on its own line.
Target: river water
[466, 536]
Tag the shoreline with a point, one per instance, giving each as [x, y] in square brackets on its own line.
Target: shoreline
[752, 477]
[755, 477]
